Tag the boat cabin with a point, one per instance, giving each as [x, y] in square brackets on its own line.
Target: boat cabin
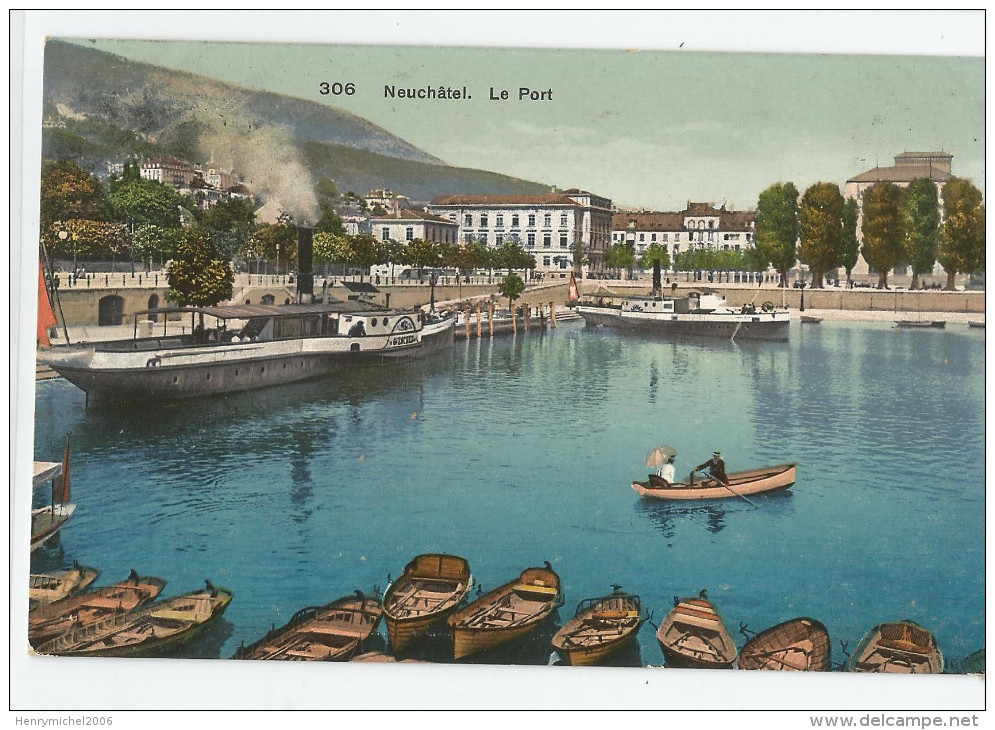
[265, 323]
[693, 302]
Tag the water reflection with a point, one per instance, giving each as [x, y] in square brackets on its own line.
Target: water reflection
[208, 645]
[667, 516]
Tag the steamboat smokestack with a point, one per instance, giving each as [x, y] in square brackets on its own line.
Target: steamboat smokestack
[305, 271]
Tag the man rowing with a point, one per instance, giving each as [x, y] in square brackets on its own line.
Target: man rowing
[716, 468]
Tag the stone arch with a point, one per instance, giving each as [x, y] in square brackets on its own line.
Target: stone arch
[110, 311]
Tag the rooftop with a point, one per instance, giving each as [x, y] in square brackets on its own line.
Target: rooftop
[545, 199]
[902, 173]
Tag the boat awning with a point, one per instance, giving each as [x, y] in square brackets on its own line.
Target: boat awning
[45, 471]
[249, 311]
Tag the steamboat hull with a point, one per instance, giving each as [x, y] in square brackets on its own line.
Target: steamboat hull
[761, 326]
[199, 372]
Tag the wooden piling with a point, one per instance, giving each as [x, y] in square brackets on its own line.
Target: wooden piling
[525, 311]
[468, 310]
[514, 320]
[478, 320]
[552, 314]
[492, 319]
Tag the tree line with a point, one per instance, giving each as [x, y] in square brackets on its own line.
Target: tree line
[900, 226]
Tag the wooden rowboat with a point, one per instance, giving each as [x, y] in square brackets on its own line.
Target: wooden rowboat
[601, 628]
[330, 633]
[693, 636]
[84, 609]
[154, 630]
[976, 323]
[800, 645]
[810, 319]
[752, 481]
[506, 613]
[45, 588]
[430, 589]
[902, 647]
[923, 323]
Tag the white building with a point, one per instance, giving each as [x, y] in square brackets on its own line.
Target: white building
[169, 171]
[563, 230]
[408, 225]
[699, 225]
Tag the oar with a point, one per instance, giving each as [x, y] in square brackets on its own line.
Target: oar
[754, 504]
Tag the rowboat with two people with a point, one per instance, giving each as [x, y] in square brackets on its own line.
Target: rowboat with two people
[601, 628]
[330, 633]
[506, 613]
[693, 636]
[45, 588]
[155, 630]
[431, 588]
[900, 647]
[84, 609]
[799, 645]
[740, 484]
[47, 521]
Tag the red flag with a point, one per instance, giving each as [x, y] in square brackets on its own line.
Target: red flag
[60, 486]
[46, 317]
[573, 294]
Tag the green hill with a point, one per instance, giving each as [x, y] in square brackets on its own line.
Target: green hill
[100, 107]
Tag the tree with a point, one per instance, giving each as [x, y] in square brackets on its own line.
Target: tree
[882, 229]
[850, 244]
[962, 236]
[777, 227]
[620, 256]
[474, 256]
[197, 276]
[820, 229]
[86, 239]
[149, 241]
[511, 255]
[657, 257]
[330, 249]
[423, 254]
[146, 202]
[275, 241]
[512, 287]
[68, 191]
[365, 251]
[231, 224]
[921, 223]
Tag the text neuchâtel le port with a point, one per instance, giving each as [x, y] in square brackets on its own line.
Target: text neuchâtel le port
[524, 93]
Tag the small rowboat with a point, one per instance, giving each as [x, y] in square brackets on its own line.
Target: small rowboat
[810, 319]
[923, 323]
[601, 628]
[902, 647]
[330, 633]
[431, 588]
[48, 622]
[506, 613]
[752, 481]
[44, 588]
[152, 631]
[976, 323]
[693, 636]
[800, 645]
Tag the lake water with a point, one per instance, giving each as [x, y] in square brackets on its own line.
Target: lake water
[522, 449]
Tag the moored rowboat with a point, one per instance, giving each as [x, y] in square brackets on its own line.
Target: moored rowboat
[48, 622]
[331, 633]
[800, 645]
[506, 613]
[44, 588]
[902, 647]
[601, 628]
[751, 481]
[152, 631]
[693, 636]
[430, 589]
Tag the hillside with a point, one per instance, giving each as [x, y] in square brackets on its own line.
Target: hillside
[101, 107]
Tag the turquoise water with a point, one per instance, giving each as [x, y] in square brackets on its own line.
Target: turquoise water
[522, 450]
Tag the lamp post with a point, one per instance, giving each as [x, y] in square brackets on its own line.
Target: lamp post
[63, 235]
[278, 259]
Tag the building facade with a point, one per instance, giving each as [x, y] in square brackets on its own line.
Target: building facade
[169, 171]
[564, 231]
[699, 225]
[408, 225]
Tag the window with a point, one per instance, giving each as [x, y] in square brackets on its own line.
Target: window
[385, 234]
[547, 240]
[531, 241]
[711, 224]
[677, 237]
[500, 239]
[545, 260]
[468, 220]
[563, 239]
[642, 236]
[499, 221]
[563, 219]
[711, 236]
[532, 220]
[652, 236]
[483, 220]
[468, 237]
[452, 217]
[547, 220]
[665, 236]
[701, 224]
[514, 220]
[409, 233]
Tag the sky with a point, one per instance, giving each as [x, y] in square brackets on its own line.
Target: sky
[647, 128]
